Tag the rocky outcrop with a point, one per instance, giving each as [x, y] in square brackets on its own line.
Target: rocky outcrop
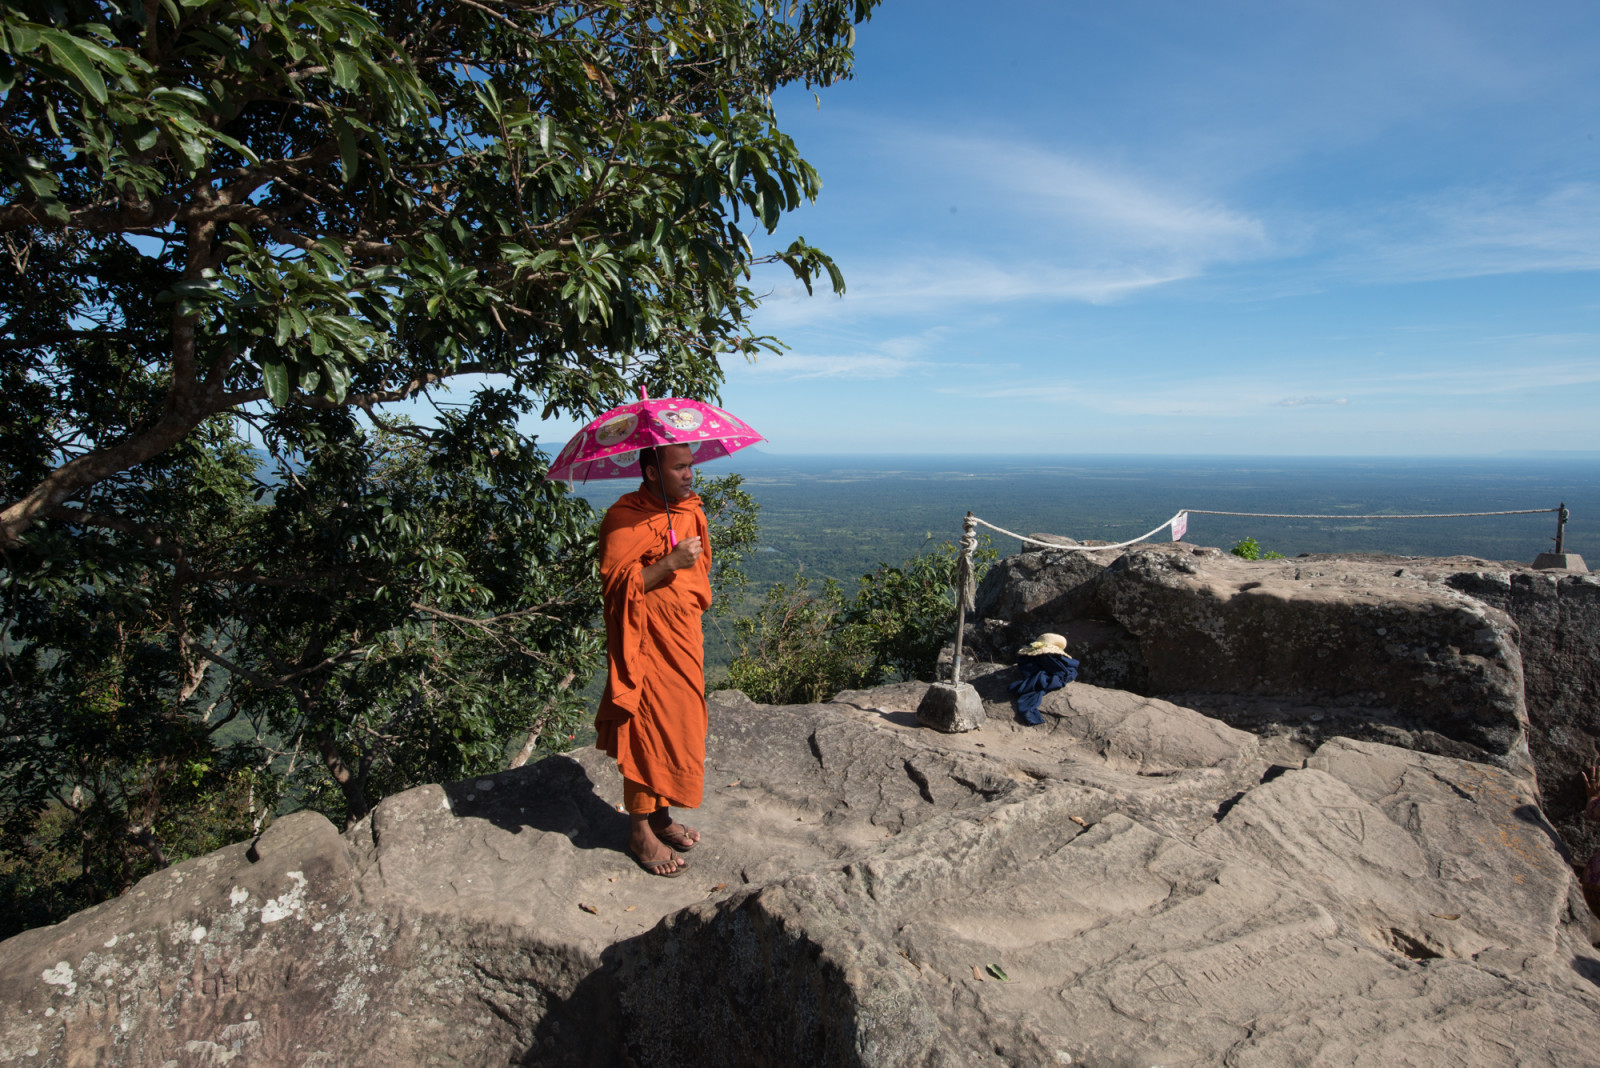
[1454, 656]
[1558, 624]
[1439, 669]
[1130, 883]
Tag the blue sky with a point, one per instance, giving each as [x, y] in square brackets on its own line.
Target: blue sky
[1153, 227]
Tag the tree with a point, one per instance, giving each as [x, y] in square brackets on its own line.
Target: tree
[109, 745]
[442, 596]
[908, 612]
[237, 235]
[325, 205]
[385, 615]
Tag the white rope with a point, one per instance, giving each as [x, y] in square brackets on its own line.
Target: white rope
[1437, 515]
[1247, 515]
[1077, 548]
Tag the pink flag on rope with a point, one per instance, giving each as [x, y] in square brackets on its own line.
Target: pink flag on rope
[1180, 526]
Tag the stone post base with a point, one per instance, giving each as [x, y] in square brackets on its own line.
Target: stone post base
[1560, 562]
[951, 708]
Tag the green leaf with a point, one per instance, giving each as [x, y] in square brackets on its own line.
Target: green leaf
[23, 37]
[238, 146]
[998, 972]
[44, 186]
[349, 159]
[275, 376]
[337, 381]
[345, 73]
[145, 135]
[168, 93]
[74, 58]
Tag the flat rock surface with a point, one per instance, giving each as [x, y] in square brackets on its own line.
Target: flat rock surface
[1128, 883]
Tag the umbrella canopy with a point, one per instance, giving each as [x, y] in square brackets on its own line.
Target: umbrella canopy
[609, 446]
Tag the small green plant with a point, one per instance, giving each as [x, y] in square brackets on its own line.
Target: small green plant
[1250, 549]
[804, 645]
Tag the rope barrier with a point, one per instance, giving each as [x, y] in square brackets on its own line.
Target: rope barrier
[1437, 515]
[1247, 515]
[1078, 548]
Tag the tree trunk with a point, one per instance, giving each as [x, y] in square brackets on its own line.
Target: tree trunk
[538, 724]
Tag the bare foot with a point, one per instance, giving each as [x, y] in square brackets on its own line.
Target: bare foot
[650, 853]
[675, 835]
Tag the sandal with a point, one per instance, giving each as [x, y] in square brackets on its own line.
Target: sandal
[677, 835]
[652, 867]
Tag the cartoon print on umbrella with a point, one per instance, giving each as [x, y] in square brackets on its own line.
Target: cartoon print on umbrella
[608, 447]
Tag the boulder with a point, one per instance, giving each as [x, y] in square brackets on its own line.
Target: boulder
[1128, 883]
[1034, 589]
[1394, 649]
[1558, 636]
[1440, 668]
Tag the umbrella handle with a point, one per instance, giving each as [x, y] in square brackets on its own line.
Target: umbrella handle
[672, 537]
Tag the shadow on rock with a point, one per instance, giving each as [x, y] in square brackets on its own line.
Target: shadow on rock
[1587, 967]
[1531, 814]
[584, 1030]
[555, 795]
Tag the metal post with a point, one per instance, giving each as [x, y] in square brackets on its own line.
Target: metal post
[969, 542]
[1561, 526]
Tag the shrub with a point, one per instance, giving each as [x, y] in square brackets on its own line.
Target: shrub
[804, 647]
[1249, 549]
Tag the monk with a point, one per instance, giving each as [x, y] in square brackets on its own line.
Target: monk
[652, 718]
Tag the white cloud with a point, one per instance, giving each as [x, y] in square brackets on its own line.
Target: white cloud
[804, 365]
[1296, 402]
[1471, 232]
[1055, 227]
[1251, 397]
[1123, 213]
[930, 283]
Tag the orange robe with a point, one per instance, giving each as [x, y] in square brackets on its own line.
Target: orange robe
[652, 718]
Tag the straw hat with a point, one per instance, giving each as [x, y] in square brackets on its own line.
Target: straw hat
[1043, 645]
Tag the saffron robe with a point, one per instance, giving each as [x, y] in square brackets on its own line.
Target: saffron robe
[652, 718]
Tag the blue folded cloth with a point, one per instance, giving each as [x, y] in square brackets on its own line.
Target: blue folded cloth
[1037, 676]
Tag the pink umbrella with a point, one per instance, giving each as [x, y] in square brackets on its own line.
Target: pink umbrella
[609, 446]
